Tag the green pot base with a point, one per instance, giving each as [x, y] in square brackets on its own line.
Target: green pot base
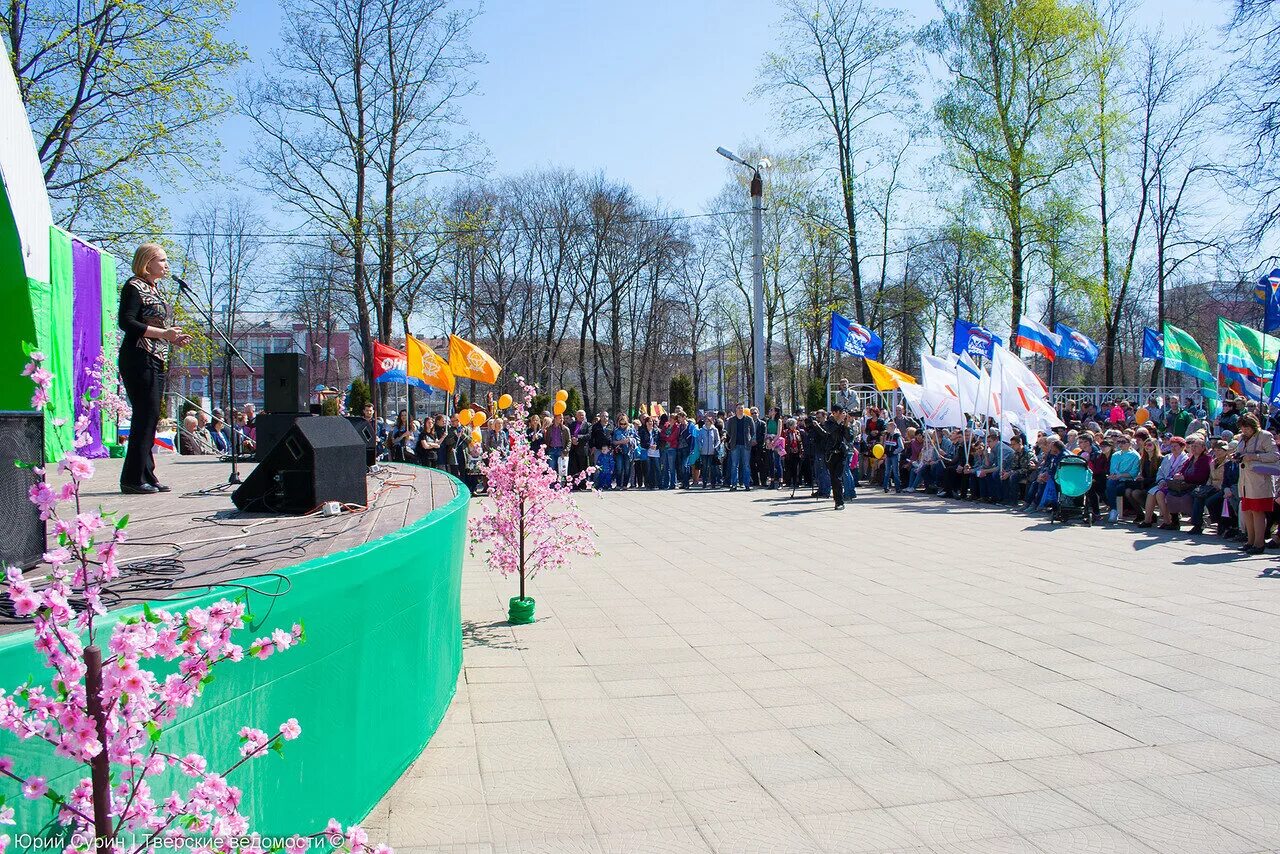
[520, 611]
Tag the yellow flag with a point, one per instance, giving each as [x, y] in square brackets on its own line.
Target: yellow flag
[424, 364]
[887, 378]
[470, 362]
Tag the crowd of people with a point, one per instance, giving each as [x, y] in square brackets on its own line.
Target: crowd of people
[1165, 463]
[204, 433]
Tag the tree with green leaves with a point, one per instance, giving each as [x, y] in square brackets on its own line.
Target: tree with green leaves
[573, 404]
[119, 93]
[680, 393]
[357, 396]
[1019, 72]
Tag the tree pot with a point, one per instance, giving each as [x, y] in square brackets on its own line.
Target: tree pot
[520, 610]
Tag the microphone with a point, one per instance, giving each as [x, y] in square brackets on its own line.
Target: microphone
[182, 285]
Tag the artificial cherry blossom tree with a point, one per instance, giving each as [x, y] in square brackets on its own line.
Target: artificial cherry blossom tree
[530, 523]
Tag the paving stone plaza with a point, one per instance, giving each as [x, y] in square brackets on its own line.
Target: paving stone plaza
[741, 672]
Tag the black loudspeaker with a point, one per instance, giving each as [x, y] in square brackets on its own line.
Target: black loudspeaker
[369, 434]
[284, 383]
[319, 459]
[270, 427]
[21, 440]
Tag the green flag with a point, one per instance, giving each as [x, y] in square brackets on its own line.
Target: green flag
[1182, 353]
[1245, 349]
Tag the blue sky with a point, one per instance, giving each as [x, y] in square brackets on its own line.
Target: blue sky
[643, 91]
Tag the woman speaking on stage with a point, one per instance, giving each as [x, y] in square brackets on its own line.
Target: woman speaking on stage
[144, 357]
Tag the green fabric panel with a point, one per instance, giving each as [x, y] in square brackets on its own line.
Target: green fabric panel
[110, 331]
[17, 322]
[369, 686]
[53, 332]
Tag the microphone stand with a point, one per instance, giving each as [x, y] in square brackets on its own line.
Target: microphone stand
[183, 288]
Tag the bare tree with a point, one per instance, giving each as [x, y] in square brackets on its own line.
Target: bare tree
[223, 247]
[842, 66]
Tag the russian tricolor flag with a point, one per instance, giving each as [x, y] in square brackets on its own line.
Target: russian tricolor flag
[1036, 338]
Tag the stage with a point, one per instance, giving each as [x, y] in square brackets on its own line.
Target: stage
[378, 593]
[184, 542]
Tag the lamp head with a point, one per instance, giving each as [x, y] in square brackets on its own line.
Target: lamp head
[726, 153]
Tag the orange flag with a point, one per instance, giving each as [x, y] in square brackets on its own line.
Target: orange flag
[424, 364]
[468, 361]
[887, 378]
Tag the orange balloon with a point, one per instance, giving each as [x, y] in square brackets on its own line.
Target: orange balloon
[559, 407]
[475, 436]
[478, 419]
[1142, 416]
[504, 401]
[562, 396]
[464, 416]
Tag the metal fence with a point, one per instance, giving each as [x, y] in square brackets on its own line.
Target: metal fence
[868, 395]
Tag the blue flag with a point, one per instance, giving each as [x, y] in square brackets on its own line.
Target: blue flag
[1076, 345]
[1271, 320]
[1152, 344]
[397, 375]
[854, 338]
[973, 339]
[1275, 385]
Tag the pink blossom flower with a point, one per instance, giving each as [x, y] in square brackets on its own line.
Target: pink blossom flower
[57, 556]
[35, 787]
[290, 729]
[193, 765]
[77, 466]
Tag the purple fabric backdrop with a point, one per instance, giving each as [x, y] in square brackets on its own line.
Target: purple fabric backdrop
[86, 333]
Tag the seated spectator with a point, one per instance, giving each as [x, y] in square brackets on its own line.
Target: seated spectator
[189, 443]
[1175, 500]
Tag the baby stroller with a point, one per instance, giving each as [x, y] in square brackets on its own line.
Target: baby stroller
[1073, 480]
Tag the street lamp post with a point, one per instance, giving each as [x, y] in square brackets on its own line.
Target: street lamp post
[757, 272]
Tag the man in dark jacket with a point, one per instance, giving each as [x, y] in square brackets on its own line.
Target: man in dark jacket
[739, 439]
[816, 426]
[834, 431]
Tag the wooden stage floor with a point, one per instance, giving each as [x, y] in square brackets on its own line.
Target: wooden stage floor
[185, 542]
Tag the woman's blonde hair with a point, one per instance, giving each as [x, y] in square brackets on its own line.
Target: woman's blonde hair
[145, 254]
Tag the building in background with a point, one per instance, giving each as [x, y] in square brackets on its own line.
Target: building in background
[332, 359]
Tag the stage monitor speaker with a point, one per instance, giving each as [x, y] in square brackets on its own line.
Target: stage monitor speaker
[319, 459]
[270, 427]
[369, 433]
[21, 440]
[284, 383]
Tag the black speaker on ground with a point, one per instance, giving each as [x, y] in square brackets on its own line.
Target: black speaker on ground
[21, 440]
[369, 434]
[319, 459]
[270, 427]
[284, 383]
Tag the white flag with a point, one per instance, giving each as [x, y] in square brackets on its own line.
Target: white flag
[968, 378]
[934, 408]
[938, 374]
[1019, 374]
